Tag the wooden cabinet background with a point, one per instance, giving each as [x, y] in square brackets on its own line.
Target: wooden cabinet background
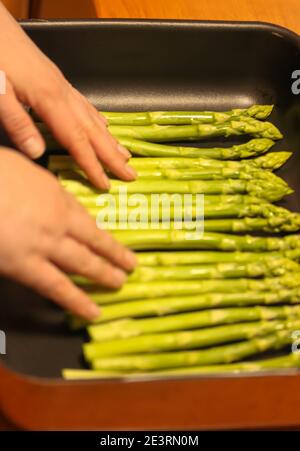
[282, 12]
[19, 8]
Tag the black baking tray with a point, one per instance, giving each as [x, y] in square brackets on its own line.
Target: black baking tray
[150, 65]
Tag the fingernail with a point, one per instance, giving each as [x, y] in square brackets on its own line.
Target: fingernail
[93, 311]
[130, 172]
[119, 276]
[33, 147]
[131, 259]
[124, 151]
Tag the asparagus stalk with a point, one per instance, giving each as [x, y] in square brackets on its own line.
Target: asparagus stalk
[209, 257]
[241, 172]
[275, 216]
[126, 328]
[265, 268]
[206, 265]
[215, 355]
[208, 173]
[187, 302]
[270, 161]
[185, 117]
[164, 133]
[91, 201]
[179, 239]
[287, 361]
[253, 148]
[79, 374]
[251, 225]
[229, 225]
[196, 174]
[265, 184]
[188, 339]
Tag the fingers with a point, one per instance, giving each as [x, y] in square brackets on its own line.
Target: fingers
[66, 128]
[89, 106]
[74, 257]
[51, 283]
[83, 228]
[98, 117]
[19, 125]
[82, 131]
[112, 155]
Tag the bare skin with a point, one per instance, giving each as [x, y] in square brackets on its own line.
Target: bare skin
[44, 231]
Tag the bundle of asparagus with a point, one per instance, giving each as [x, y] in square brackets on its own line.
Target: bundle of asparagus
[195, 305]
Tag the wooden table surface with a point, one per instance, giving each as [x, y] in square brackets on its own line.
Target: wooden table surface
[282, 12]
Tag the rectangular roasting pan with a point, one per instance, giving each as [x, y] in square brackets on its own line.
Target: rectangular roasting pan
[152, 65]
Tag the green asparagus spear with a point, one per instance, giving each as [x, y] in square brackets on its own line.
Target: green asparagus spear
[250, 225]
[291, 360]
[79, 374]
[205, 265]
[164, 133]
[270, 161]
[185, 117]
[287, 361]
[276, 216]
[265, 184]
[209, 257]
[179, 239]
[211, 202]
[264, 268]
[187, 339]
[208, 173]
[126, 328]
[196, 174]
[253, 148]
[267, 267]
[215, 355]
[203, 298]
[229, 225]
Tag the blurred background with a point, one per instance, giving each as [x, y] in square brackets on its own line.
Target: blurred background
[281, 12]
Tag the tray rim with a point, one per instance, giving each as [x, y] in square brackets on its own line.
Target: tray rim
[271, 402]
[160, 22]
[103, 22]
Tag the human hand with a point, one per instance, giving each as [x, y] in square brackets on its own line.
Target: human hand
[32, 79]
[44, 231]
